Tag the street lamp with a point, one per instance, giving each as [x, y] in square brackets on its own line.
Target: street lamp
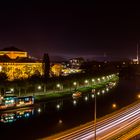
[74, 102]
[103, 78]
[75, 85]
[58, 106]
[86, 98]
[58, 85]
[98, 80]
[12, 89]
[39, 87]
[114, 105]
[138, 96]
[98, 93]
[103, 91]
[92, 81]
[93, 91]
[86, 81]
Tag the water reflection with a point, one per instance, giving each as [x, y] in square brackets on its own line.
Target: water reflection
[8, 117]
[39, 110]
[74, 102]
[52, 106]
[86, 98]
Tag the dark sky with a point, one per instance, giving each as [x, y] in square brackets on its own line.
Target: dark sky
[71, 29]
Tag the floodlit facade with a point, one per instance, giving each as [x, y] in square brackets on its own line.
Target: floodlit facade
[56, 69]
[16, 64]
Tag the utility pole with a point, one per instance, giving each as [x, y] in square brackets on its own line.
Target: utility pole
[93, 91]
[137, 53]
[95, 115]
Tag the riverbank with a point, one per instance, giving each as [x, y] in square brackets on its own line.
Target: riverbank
[100, 84]
[69, 92]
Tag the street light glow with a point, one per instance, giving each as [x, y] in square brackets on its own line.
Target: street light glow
[92, 96]
[12, 89]
[39, 87]
[74, 102]
[74, 83]
[98, 93]
[103, 91]
[114, 105]
[58, 85]
[86, 81]
[103, 78]
[107, 89]
[86, 98]
[57, 106]
[138, 96]
[39, 110]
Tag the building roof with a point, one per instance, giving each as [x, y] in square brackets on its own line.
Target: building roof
[6, 59]
[12, 48]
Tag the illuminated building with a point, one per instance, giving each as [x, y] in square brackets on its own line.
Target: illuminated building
[76, 62]
[17, 64]
[56, 69]
[13, 52]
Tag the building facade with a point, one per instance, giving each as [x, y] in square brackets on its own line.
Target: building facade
[16, 64]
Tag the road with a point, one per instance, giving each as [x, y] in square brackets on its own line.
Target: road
[106, 128]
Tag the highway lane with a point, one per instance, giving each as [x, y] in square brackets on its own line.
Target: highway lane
[108, 127]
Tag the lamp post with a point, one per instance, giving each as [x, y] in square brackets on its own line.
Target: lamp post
[39, 87]
[86, 82]
[138, 96]
[75, 85]
[93, 91]
[59, 86]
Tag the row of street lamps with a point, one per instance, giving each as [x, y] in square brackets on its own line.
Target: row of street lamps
[60, 86]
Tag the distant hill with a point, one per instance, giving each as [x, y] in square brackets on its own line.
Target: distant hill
[57, 59]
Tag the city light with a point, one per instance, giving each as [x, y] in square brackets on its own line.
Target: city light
[74, 83]
[103, 78]
[58, 106]
[12, 89]
[60, 121]
[0, 68]
[98, 93]
[107, 89]
[114, 105]
[58, 85]
[86, 81]
[39, 110]
[103, 91]
[98, 79]
[39, 87]
[138, 96]
[92, 95]
[74, 102]
[86, 98]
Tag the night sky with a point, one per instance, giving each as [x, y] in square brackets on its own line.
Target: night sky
[69, 30]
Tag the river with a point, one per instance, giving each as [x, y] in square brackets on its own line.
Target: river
[47, 118]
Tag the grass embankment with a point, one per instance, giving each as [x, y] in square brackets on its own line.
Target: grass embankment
[68, 92]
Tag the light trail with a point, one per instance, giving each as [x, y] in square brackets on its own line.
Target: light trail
[108, 127]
